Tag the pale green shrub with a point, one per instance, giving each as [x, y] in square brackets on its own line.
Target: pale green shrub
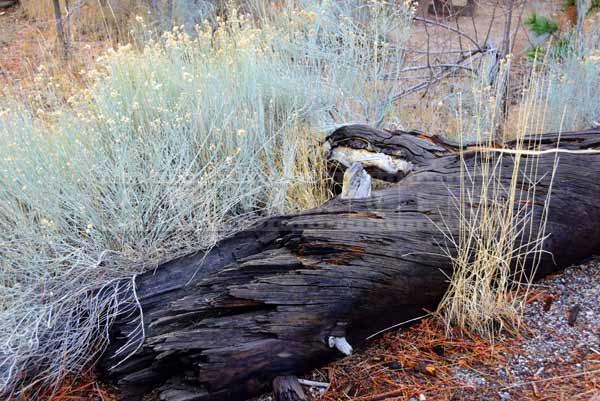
[571, 87]
[168, 149]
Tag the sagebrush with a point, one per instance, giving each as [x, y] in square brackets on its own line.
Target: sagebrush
[172, 143]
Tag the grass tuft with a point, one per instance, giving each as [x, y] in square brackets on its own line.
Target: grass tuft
[499, 247]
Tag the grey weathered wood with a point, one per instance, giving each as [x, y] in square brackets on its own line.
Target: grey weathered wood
[341, 344]
[263, 303]
[357, 183]
[288, 388]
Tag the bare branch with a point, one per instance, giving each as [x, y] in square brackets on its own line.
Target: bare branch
[506, 45]
[489, 31]
[443, 74]
[456, 31]
[444, 65]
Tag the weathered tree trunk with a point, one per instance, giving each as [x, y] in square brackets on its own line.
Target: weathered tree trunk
[293, 291]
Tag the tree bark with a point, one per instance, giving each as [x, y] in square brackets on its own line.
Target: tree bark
[60, 30]
[288, 388]
[293, 292]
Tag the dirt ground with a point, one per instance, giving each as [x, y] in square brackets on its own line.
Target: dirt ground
[28, 47]
[488, 22]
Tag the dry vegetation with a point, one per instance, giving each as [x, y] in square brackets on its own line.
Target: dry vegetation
[171, 140]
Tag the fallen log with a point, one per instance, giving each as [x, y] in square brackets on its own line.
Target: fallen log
[295, 292]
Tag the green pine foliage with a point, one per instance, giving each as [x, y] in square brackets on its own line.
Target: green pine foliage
[539, 25]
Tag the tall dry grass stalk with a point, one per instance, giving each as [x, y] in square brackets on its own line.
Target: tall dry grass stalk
[501, 224]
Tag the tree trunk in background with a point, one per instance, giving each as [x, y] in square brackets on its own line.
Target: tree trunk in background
[169, 15]
[162, 13]
[67, 24]
[583, 7]
[155, 9]
[60, 30]
[7, 3]
[452, 8]
[279, 298]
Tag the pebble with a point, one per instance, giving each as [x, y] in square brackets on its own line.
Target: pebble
[552, 339]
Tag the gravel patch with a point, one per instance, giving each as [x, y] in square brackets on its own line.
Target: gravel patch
[564, 329]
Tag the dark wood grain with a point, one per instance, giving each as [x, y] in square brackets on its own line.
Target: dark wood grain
[288, 388]
[222, 325]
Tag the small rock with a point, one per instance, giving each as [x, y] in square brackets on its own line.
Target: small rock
[438, 349]
[573, 314]
[394, 365]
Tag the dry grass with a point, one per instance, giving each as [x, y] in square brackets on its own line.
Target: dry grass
[499, 244]
[116, 20]
[497, 249]
[311, 185]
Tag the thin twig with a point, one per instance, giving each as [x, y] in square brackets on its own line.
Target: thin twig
[489, 31]
[518, 28]
[397, 325]
[445, 65]
[439, 77]
[428, 21]
[312, 383]
[506, 45]
[452, 51]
